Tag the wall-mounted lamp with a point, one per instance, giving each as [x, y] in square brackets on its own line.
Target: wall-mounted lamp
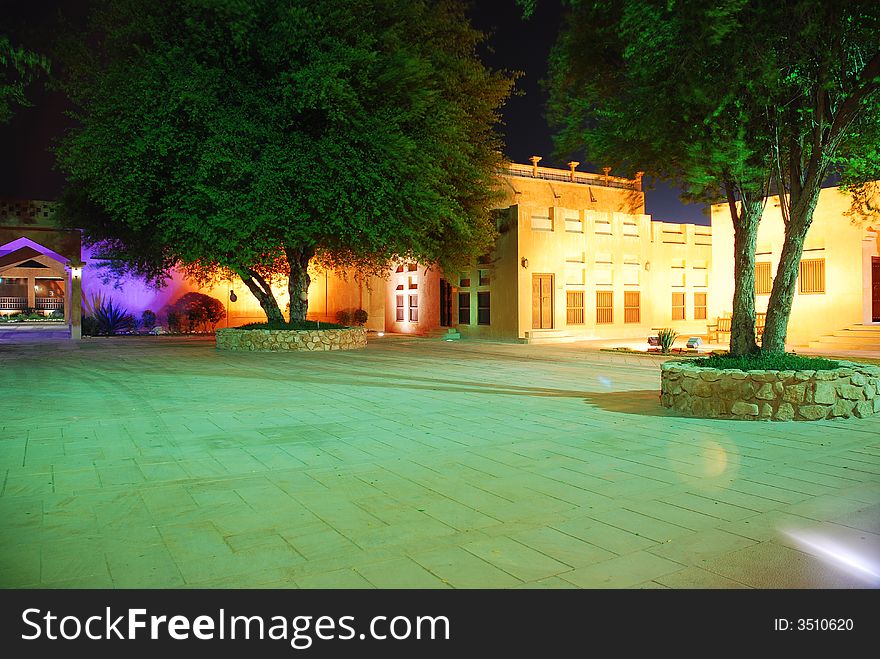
[647, 265]
[76, 268]
[524, 262]
[304, 296]
[232, 296]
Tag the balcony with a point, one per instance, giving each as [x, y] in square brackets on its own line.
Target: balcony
[13, 303]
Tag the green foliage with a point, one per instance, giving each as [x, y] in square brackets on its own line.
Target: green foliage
[266, 132]
[343, 317]
[300, 325]
[89, 326]
[666, 336]
[18, 68]
[110, 319]
[198, 311]
[785, 361]
[731, 100]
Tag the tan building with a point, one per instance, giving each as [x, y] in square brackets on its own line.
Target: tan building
[839, 278]
[576, 258]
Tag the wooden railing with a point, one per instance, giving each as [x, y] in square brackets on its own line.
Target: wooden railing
[13, 303]
[49, 303]
[560, 175]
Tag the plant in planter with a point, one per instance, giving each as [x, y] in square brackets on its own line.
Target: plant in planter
[343, 317]
[666, 337]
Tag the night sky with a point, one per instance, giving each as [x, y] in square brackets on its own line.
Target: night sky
[27, 172]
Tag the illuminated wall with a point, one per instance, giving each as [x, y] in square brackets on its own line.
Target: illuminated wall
[845, 247]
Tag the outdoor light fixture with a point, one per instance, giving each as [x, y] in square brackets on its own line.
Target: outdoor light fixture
[75, 268]
[303, 295]
[380, 333]
[647, 265]
[524, 262]
[232, 296]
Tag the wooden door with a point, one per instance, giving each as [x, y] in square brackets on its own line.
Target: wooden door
[445, 303]
[875, 289]
[542, 301]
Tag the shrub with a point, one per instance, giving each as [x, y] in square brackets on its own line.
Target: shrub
[148, 319]
[132, 324]
[57, 314]
[303, 325]
[89, 326]
[667, 338]
[343, 317]
[174, 320]
[360, 317]
[768, 362]
[110, 319]
[199, 311]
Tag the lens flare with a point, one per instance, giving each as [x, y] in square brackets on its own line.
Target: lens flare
[838, 554]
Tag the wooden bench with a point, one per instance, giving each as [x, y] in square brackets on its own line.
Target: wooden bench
[722, 326]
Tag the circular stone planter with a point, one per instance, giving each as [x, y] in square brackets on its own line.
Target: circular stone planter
[274, 340]
[849, 390]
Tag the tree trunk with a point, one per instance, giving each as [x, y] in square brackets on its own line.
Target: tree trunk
[742, 324]
[782, 294]
[298, 281]
[261, 290]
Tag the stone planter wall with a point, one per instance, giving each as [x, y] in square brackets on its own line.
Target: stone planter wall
[269, 340]
[850, 390]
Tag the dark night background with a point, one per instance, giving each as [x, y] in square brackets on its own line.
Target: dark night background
[26, 166]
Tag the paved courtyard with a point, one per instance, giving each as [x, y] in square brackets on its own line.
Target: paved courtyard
[160, 462]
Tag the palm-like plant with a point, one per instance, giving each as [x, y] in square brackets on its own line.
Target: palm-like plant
[110, 319]
[666, 336]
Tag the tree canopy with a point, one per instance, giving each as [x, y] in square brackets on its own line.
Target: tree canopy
[18, 67]
[252, 136]
[729, 99]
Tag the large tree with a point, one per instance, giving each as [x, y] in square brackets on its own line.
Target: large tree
[716, 97]
[258, 136]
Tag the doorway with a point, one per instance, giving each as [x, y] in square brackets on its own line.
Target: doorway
[875, 289]
[445, 303]
[542, 301]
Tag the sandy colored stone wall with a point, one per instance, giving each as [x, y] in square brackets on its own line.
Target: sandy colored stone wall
[266, 340]
[850, 390]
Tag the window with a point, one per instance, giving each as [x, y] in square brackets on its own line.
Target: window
[399, 316]
[413, 282]
[676, 277]
[574, 307]
[413, 308]
[464, 280]
[678, 306]
[811, 278]
[631, 228]
[763, 279]
[412, 267]
[574, 276]
[483, 308]
[573, 223]
[602, 227]
[699, 306]
[542, 222]
[632, 311]
[604, 307]
[484, 277]
[464, 308]
[399, 268]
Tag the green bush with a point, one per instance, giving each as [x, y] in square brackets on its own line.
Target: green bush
[303, 325]
[359, 317]
[175, 321]
[768, 362]
[199, 311]
[343, 317]
[667, 338]
[148, 319]
[89, 326]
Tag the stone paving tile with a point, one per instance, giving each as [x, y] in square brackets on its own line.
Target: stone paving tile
[622, 572]
[413, 463]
